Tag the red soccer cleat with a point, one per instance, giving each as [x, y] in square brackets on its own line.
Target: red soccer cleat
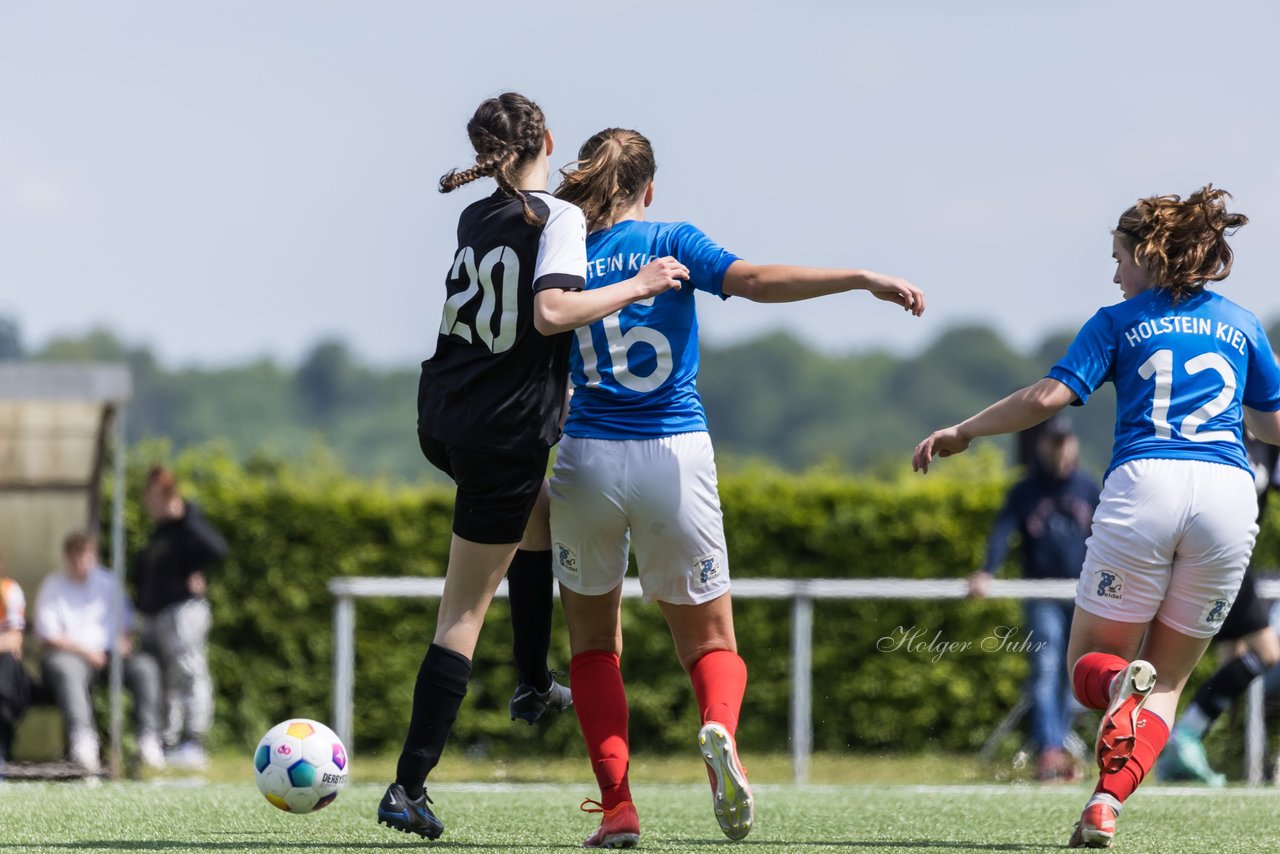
[1097, 825]
[1118, 731]
[619, 827]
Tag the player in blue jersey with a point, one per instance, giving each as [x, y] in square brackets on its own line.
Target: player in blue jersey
[489, 408]
[1176, 523]
[636, 467]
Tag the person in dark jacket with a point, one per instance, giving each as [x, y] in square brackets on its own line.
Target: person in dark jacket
[170, 578]
[1052, 508]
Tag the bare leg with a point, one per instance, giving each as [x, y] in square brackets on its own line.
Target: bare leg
[595, 622]
[700, 629]
[1174, 656]
[475, 570]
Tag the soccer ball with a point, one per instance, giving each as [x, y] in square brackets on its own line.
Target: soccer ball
[300, 765]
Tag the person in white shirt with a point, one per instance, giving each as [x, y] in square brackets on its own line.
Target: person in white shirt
[82, 617]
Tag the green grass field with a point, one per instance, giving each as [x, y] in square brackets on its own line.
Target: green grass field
[539, 817]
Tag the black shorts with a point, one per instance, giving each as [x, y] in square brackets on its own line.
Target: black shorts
[495, 493]
[1249, 614]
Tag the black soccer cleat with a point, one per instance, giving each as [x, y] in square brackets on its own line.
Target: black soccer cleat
[411, 816]
[528, 703]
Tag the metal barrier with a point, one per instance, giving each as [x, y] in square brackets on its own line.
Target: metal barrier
[801, 591]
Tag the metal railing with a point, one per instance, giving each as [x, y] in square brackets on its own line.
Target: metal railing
[801, 591]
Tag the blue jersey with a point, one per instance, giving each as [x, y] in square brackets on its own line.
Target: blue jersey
[1182, 373]
[635, 372]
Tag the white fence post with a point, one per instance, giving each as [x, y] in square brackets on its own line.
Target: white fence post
[344, 667]
[801, 686]
[1255, 729]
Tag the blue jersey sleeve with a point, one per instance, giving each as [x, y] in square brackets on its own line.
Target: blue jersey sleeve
[1090, 360]
[1262, 383]
[707, 260]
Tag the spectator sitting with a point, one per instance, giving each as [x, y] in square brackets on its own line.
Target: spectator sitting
[170, 581]
[82, 618]
[15, 686]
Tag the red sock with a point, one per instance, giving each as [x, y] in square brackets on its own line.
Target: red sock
[1092, 678]
[719, 680]
[600, 700]
[1153, 732]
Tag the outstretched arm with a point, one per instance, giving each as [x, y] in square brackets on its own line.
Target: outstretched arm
[1020, 410]
[557, 310]
[782, 283]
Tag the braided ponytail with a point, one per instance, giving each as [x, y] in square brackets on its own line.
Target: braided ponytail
[1182, 242]
[613, 168]
[506, 132]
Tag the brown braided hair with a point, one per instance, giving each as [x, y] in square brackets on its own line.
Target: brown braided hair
[506, 131]
[613, 168]
[1181, 242]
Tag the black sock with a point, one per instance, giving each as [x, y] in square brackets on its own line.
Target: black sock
[441, 685]
[6, 740]
[1229, 682]
[529, 582]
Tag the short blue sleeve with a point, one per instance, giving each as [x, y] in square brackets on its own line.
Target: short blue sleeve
[1262, 384]
[707, 260]
[1090, 360]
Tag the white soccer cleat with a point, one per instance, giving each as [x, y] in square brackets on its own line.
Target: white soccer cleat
[1118, 731]
[731, 793]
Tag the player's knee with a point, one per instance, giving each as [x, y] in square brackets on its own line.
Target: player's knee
[1268, 649]
[598, 640]
[691, 656]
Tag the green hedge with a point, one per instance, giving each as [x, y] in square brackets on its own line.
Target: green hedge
[292, 527]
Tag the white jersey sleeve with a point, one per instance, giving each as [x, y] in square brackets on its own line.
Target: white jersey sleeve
[562, 249]
[48, 622]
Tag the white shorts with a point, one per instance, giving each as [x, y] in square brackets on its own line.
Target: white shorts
[662, 494]
[1171, 540]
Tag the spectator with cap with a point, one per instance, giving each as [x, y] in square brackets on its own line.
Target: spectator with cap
[1052, 509]
[82, 618]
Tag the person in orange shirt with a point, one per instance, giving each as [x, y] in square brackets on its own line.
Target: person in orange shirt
[15, 686]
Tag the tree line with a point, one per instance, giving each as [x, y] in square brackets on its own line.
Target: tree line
[771, 398]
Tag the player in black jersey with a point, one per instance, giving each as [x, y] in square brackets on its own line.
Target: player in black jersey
[489, 408]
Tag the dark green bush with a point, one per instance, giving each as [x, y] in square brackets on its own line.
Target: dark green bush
[291, 528]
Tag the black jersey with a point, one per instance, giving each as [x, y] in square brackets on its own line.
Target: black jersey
[495, 383]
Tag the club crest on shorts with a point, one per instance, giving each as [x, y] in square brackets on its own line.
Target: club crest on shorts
[567, 558]
[1216, 611]
[708, 568]
[1108, 584]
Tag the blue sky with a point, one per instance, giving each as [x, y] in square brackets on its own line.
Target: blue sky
[223, 180]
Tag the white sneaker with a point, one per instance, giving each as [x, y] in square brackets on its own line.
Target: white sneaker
[84, 752]
[731, 793]
[150, 751]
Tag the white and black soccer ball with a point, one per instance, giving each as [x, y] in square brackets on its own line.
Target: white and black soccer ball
[300, 765]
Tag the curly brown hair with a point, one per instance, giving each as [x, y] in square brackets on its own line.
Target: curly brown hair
[1181, 242]
[507, 132]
